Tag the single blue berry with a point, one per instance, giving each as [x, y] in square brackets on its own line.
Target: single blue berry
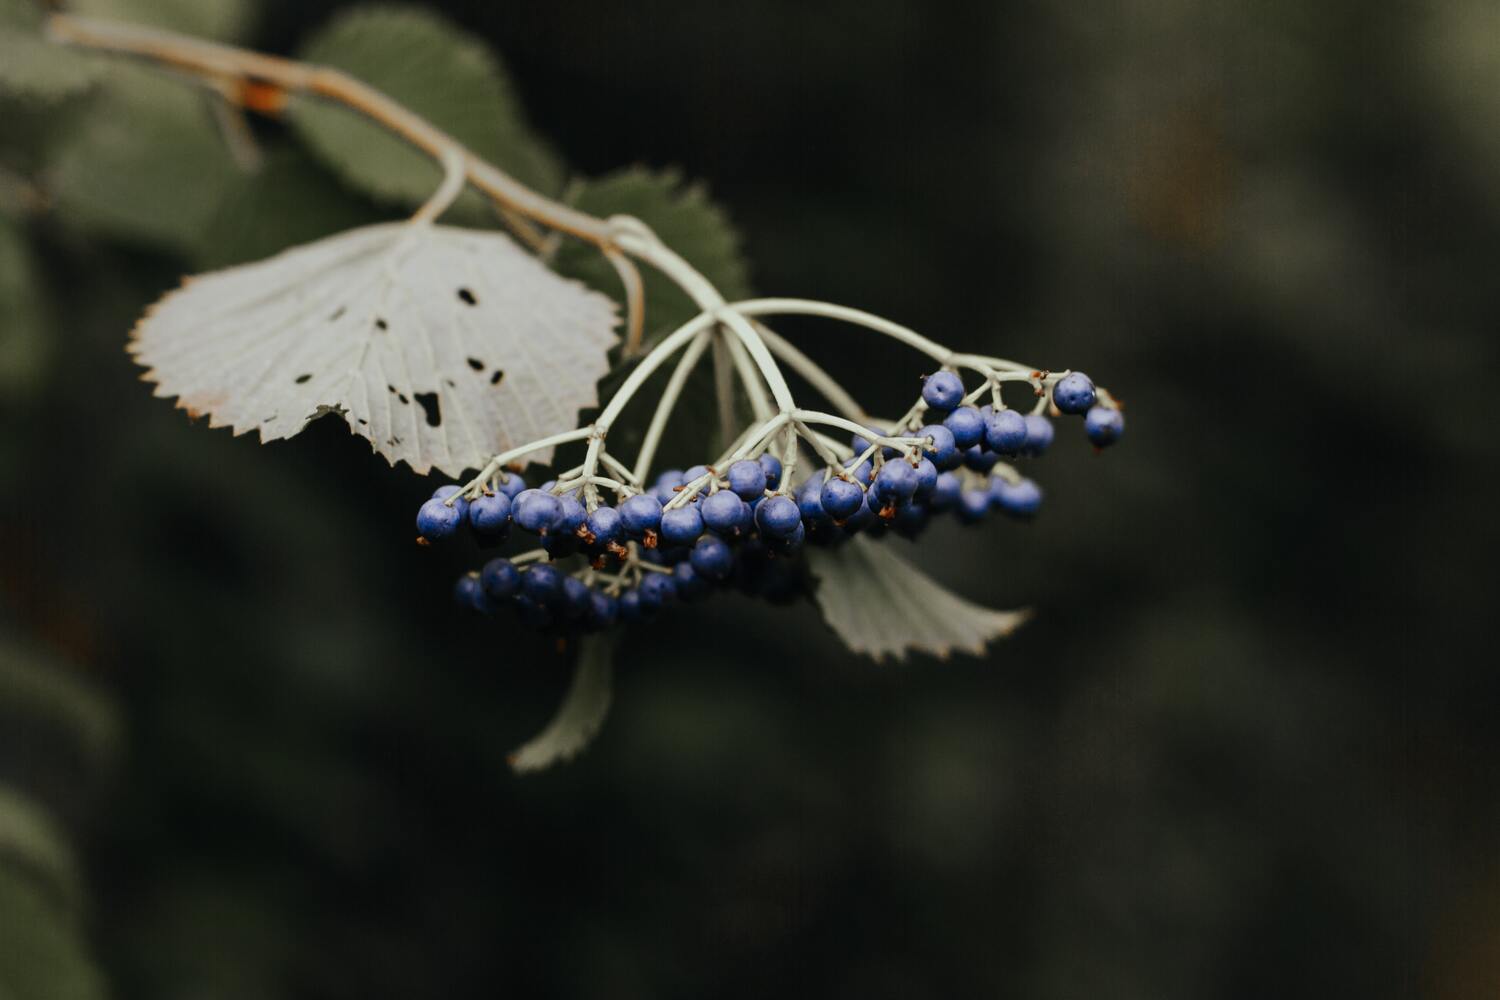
[841, 498]
[966, 426]
[862, 521]
[570, 517]
[778, 517]
[511, 484]
[500, 579]
[943, 451]
[895, 483]
[911, 520]
[629, 607]
[669, 478]
[489, 516]
[712, 558]
[1073, 393]
[640, 514]
[658, 588]
[691, 586]
[664, 494]
[786, 545]
[681, 525]
[542, 583]
[575, 598]
[979, 459]
[602, 612]
[605, 525]
[878, 523]
[1038, 434]
[1018, 499]
[444, 492]
[1104, 425]
[467, 593]
[810, 500]
[1005, 432]
[436, 520]
[535, 510]
[927, 475]
[725, 513]
[942, 390]
[746, 478]
[973, 505]
[772, 465]
[945, 492]
[696, 472]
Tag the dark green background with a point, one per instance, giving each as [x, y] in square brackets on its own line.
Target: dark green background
[1245, 749]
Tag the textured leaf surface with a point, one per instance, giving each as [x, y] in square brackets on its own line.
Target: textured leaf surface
[881, 605]
[441, 346]
[582, 712]
[444, 74]
[33, 68]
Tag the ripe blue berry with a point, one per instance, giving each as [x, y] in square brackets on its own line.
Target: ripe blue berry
[574, 603]
[602, 612]
[895, 483]
[542, 583]
[490, 516]
[772, 465]
[669, 478]
[658, 588]
[787, 544]
[467, 593]
[943, 390]
[911, 520]
[712, 558]
[605, 524]
[1104, 425]
[511, 484]
[945, 493]
[810, 500]
[535, 511]
[696, 472]
[966, 426]
[973, 505]
[747, 478]
[876, 525]
[681, 525]
[1038, 434]
[500, 579]
[1073, 393]
[1019, 499]
[690, 585]
[444, 492]
[629, 607]
[1005, 432]
[436, 520]
[980, 460]
[640, 514]
[927, 475]
[864, 474]
[725, 513]
[570, 517]
[841, 498]
[943, 451]
[778, 517]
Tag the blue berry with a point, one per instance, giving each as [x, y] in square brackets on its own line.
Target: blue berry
[658, 588]
[664, 494]
[772, 465]
[605, 524]
[1104, 425]
[943, 451]
[511, 484]
[575, 598]
[725, 513]
[862, 520]
[942, 390]
[895, 483]
[747, 478]
[629, 607]
[670, 478]
[500, 579]
[696, 472]
[966, 426]
[778, 517]
[841, 498]
[436, 520]
[602, 612]
[444, 492]
[1019, 499]
[711, 558]
[980, 460]
[535, 510]
[876, 525]
[1038, 434]
[681, 525]
[1005, 432]
[571, 515]
[691, 586]
[640, 514]
[945, 492]
[864, 474]
[911, 520]
[810, 500]
[787, 544]
[489, 516]
[973, 505]
[1073, 393]
[467, 593]
[927, 476]
[542, 583]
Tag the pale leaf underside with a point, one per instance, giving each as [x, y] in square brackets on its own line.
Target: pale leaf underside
[881, 605]
[581, 714]
[441, 346]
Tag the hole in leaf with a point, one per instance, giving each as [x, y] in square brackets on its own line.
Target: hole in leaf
[476, 364]
[303, 378]
[430, 406]
[495, 378]
[380, 323]
[467, 297]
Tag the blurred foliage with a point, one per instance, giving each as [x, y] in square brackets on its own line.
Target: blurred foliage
[1246, 747]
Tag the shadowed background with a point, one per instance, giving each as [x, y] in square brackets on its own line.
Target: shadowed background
[1245, 748]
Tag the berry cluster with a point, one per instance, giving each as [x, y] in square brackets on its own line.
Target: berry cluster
[691, 532]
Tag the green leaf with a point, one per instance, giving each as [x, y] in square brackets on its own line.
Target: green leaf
[42, 952]
[31, 67]
[581, 714]
[685, 218]
[30, 841]
[221, 20]
[439, 71]
[881, 605]
[24, 330]
[146, 162]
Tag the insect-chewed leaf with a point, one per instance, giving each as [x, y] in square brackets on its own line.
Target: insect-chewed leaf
[580, 715]
[441, 346]
[881, 605]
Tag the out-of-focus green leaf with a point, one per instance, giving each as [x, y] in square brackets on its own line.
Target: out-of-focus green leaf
[222, 20]
[31, 842]
[146, 162]
[582, 712]
[35, 689]
[42, 953]
[439, 71]
[23, 324]
[685, 218]
[881, 605]
[33, 68]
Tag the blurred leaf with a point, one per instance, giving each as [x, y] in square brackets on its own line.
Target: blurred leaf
[440, 346]
[288, 201]
[32, 67]
[582, 712]
[30, 841]
[686, 220]
[37, 689]
[221, 20]
[23, 322]
[881, 605]
[145, 163]
[439, 71]
[42, 954]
